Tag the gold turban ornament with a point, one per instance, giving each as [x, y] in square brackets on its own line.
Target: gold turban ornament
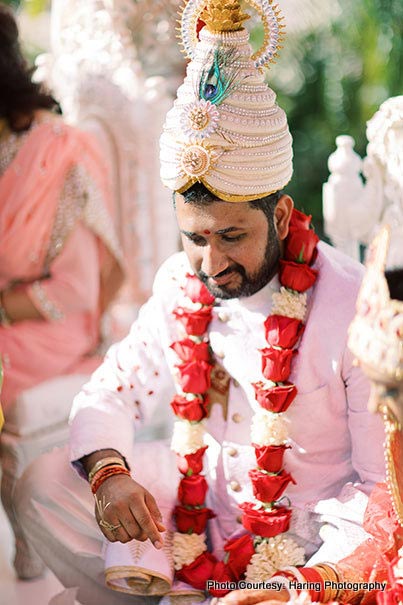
[225, 129]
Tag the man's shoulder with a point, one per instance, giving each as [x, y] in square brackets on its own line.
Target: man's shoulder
[334, 264]
[340, 278]
[171, 275]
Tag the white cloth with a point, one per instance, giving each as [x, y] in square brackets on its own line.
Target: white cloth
[335, 440]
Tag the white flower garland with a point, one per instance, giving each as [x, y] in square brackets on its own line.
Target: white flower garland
[273, 554]
[187, 547]
[187, 437]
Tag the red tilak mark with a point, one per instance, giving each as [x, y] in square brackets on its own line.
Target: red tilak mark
[207, 232]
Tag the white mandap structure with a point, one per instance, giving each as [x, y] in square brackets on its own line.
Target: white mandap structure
[363, 194]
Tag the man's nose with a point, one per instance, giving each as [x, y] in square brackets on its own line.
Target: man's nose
[214, 261]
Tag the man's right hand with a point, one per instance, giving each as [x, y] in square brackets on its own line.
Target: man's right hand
[128, 504]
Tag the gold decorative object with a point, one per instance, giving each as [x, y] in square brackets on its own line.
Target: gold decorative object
[195, 160]
[223, 16]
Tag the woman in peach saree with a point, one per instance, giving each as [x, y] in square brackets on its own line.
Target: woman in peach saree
[59, 255]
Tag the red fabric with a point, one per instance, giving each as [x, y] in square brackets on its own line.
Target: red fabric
[372, 559]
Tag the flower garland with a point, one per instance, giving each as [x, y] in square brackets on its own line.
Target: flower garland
[266, 519]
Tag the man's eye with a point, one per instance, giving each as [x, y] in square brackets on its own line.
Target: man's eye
[197, 240]
[235, 238]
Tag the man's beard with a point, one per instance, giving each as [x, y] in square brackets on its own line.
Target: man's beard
[250, 284]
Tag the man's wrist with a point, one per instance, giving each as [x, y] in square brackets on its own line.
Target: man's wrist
[88, 462]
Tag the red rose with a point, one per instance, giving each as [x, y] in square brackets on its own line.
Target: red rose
[275, 399]
[276, 363]
[192, 410]
[191, 462]
[300, 245]
[188, 350]
[296, 276]
[240, 551]
[283, 331]
[300, 220]
[270, 457]
[268, 488]
[192, 490]
[192, 521]
[197, 291]
[221, 573]
[194, 322]
[198, 572]
[265, 523]
[194, 376]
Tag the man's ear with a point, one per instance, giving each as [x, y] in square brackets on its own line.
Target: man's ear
[282, 215]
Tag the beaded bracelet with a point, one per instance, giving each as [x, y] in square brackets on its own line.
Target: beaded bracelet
[108, 461]
[105, 473]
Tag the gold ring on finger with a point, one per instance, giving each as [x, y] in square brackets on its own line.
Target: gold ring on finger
[109, 526]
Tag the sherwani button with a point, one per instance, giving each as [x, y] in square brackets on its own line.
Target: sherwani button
[237, 417]
[235, 486]
[220, 354]
[231, 451]
[224, 317]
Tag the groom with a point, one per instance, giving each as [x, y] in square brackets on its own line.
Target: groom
[244, 339]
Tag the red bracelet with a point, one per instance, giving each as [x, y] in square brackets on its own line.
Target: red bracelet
[312, 576]
[104, 474]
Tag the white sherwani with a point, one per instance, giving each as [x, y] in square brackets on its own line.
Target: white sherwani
[335, 441]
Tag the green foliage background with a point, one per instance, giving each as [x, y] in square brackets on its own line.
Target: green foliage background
[345, 71]
[330, 82]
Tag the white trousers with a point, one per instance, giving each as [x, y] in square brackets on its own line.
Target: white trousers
[56, 510]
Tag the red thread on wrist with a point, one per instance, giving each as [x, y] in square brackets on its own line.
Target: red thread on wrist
[104, 474]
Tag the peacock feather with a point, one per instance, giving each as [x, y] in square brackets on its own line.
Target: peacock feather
[221, 76]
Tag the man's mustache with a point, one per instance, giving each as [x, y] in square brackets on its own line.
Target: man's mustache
[233, 269]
